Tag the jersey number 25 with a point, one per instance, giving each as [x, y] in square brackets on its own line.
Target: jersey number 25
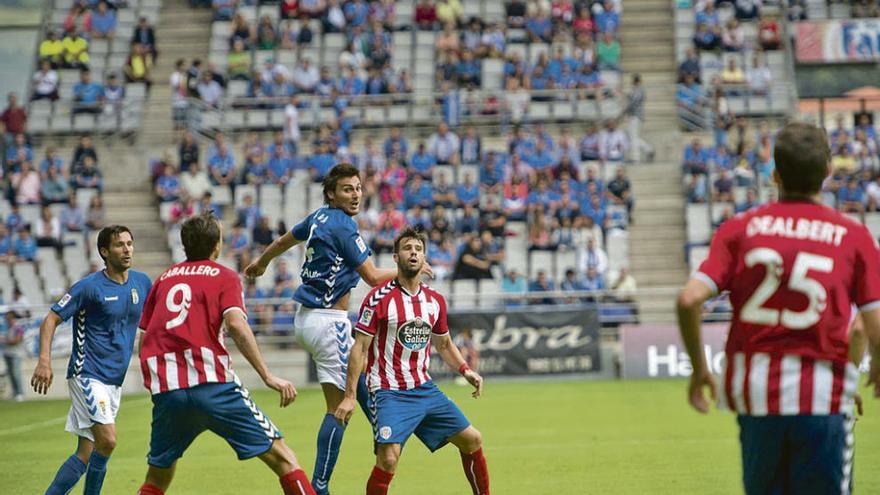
[754, 312]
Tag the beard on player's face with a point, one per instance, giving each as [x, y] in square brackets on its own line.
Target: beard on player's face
[410, 262]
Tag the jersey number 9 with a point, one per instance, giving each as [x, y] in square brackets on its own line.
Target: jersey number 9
[181, 308]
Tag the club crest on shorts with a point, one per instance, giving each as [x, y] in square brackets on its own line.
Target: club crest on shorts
[385, 432]
[134, 296]
[103, 407]
[414, 334]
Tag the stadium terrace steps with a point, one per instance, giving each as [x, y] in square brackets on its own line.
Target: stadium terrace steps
[137, 210]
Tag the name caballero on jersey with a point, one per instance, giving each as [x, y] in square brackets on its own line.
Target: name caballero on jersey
[208, 271]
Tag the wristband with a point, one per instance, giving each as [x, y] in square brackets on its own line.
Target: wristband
[463, 368]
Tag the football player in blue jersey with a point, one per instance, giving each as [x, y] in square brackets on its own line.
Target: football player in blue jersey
[336, 259]
[106, 308]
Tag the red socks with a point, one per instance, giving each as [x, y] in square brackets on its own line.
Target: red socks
[148, 489]
[296, 483]
[476, 471]
[378, 482]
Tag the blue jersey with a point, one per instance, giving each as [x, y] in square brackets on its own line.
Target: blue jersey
[334, 251]
[105, 319]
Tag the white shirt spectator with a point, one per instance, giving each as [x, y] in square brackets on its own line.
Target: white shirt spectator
[594, 257]
[45, 83]
[336, 17]
[612, 144]
[195, 182]
[873, 190]
[306, 76]
[444, 147]
[291, 123]
[52, 228]
[267, 75]
[759, 78]
[177, 82]
[517, 103]
[210, 92]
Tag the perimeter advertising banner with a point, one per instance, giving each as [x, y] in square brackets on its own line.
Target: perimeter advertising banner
[838, 41]
[530, 341]
[656, 351]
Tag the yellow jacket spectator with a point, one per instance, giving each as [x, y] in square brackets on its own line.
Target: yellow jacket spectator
[76, 50]
[52, 49]
[450, 11]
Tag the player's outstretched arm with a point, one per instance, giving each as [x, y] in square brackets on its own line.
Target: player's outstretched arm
[356, 360]
[689, 308]
[240, 331]
[871, 325]
[373, 275]
[278, 247]
[42, 378]
[453, 358]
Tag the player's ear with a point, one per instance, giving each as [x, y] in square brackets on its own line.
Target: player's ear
[396, 258]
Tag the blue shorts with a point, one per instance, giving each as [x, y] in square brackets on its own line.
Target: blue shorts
[226, 409]
[425, 411]
[800, 455]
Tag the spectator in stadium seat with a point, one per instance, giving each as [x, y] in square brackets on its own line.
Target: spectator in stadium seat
[45, 82]
[52, 49]
[449, 11]
[103, 22]
[608, 19]
[707, 15]
[138, 65]
[444, 145]
[746, 10]
[608, 52]
[146, 36]
[491, 175]
[223, 9]
[54, 188]
[423, 163]
[690, 66]
[279, 167]
[88, 176]
[493, 247]
[222, 168]
[539, 27]
[238, 62]
[591, 255]
[468, 192]
[305, 76]
[468, 222]
[206, 203]
[472, 263]
[14, 219]
[188, 151]
[851, 199]
[589, 143]
[768, 33]
[182, 209]
[444, 195]
[571, 284]
[48, 229]
[613, 143]
[516, 101]
[593, 281]
[750, 201]
[266, 35]
[76, 51]
[758, 76]
[418, 192]
[73, 218]
[516, 197]
[732, 75]
[696, 189]
[26, 184]
[96, 216]
[248, 214]
[88, 96]
[542, 284]
[320, 163]
[696, 158]
[732, 37]
[209, 90]
[620, 190]
[25, 246]
[707, 38]
[392, 214]
[52, 161]
[5, 244]
[168, 185]
[723, 187]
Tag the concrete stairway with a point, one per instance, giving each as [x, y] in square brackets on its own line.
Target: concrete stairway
[137, 210]
[648, 48]
[657, 237]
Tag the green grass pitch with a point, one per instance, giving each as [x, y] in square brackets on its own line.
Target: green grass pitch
[569, 437]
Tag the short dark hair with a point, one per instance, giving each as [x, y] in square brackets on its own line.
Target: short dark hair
[341, 171]
[411, 232]
[106, 235]
[200, 235]
[802, 156]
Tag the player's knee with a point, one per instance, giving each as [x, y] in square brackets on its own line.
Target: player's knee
[386, 459]
[474, 440]
[105, 443]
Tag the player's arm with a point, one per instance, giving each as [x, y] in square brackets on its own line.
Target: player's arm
[689, 307]
[42, 378]
[278, 247]
[871, 324]
[373, 275]
[452, 357]
[240, 331]
[356, 361]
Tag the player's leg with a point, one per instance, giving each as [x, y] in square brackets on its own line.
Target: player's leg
[282, 461]
[105, 405]
[821, 455]
[174, 426]
[764, 457]
[72, 469]
[387, 455]
[158, 480]
[470, 447]
[327, 336]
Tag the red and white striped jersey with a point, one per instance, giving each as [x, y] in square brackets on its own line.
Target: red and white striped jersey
[794, 270]
[401, 325]
[183, 342]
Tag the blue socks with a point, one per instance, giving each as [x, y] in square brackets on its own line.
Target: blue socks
[95, 473]
[68, 475]
[329, 440]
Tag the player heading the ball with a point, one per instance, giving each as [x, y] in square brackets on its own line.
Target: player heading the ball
[186, 366]
[105, 307]
[336, 258]
[794, 269]
[398, 322]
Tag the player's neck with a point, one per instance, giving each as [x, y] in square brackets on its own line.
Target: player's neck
[806, 198]
[409, 284]
[120, 277]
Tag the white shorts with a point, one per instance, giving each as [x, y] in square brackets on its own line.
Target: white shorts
[92, 402]
[326, 334]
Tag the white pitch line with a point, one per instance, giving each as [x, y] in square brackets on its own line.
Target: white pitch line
[50, 422]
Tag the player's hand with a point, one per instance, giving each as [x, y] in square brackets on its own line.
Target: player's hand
[42, 379]
[283, 387]
[344, 410]
[476, 380]
[695, 390]
[858, 401]
[427, 270]
[254, 270]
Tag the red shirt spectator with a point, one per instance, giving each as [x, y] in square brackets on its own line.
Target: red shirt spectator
[426, 14]
[289, 9]
[14, 118]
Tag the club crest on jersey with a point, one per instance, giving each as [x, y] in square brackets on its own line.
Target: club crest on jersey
[366, 317]
[134, 296]
[414, 334]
